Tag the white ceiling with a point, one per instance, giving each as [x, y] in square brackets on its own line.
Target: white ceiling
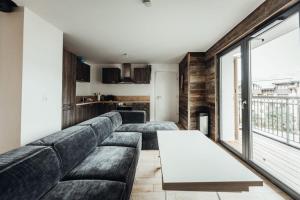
[102, 30]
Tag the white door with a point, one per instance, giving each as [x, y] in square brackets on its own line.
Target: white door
[166, 96]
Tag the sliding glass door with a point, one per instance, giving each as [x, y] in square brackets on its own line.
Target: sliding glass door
[259, 100]
[275, 104]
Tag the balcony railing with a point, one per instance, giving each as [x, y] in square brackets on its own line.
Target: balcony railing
[277, 118]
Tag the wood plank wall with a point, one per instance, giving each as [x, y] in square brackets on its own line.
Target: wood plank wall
[192, 95]
[204, 89]
[184, 93]
[211, 96]
[197, 84]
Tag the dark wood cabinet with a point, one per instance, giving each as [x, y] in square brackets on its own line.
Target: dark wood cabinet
[107, 107]
[142, 75]
[142, 106]
[89, 111]
[68, 89]
[68, 118]
[83, 72]
[111, 75]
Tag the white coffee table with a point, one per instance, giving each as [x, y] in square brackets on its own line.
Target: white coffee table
[192, 162]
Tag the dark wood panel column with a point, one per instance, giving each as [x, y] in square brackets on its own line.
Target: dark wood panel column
[193, 90]
[68, 89]
[184, 93]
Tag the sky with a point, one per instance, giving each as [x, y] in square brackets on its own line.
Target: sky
[278, 59]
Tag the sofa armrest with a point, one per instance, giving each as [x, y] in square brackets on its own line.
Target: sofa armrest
[133, 116]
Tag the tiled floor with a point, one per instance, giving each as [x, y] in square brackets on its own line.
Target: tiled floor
[147, 186]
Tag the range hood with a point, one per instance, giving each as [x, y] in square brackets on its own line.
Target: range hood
[126, 71]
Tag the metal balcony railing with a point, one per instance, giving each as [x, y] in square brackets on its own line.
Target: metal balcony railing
[277, 118]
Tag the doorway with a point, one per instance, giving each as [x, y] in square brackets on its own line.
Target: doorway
[166, 96]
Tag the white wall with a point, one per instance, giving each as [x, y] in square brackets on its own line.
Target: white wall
[11, 43]
[41, 79]
[122, 89]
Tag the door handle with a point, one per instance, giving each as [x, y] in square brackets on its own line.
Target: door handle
[244, 103]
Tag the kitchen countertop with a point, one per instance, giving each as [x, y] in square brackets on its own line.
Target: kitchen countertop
[95, 102]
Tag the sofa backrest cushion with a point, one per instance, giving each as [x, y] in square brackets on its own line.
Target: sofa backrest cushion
[102, 126]
[133, 116]
[28, 172]
[57, 136]
[71, 146]
[115, 118]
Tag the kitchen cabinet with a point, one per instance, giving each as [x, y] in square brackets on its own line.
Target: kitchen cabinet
[111, 75]
[68, 89]
[82, 72]
[107, 107]
[142, 106]
[142, 75]
[89, 111]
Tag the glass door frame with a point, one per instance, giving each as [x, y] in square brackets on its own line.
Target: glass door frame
[233, 47]
[244, 43]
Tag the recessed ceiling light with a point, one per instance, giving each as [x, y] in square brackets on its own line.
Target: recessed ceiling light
[147, 3]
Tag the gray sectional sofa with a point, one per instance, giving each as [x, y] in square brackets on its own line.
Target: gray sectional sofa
[89, 161]
[135, 121]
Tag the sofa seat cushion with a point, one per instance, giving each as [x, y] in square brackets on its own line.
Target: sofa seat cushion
[115, 118]
[154, 126]
[149, 132]
[125, 139]
[106, 163]
[87, 190]
[28, 172]
[135, 127]
[102, 126]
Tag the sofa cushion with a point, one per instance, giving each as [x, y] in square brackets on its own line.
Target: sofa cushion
[115, 118]
[160, 126]
[133, 116]
[149, 127]
[149, 132]
[106, 163]
[102, 126]
[131, 128]
[126, 139]
[87, 190]
[73, 147]
[28, 173]
[57, 136]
